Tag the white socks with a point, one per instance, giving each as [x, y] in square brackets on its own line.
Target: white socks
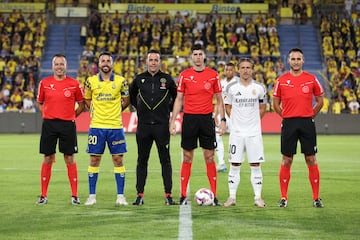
[256, 179]
[233, 180]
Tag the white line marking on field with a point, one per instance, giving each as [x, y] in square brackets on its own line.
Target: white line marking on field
[185, 222]
[158, 171]
[185, 216]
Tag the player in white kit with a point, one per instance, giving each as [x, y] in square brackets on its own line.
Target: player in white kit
[245, 103]
[230, 76]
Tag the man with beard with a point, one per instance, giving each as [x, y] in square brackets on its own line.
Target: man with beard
[106, 95]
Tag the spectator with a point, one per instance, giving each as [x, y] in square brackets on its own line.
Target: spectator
[285, 3]
[296, 9]
[28, 104]
[83, 34]
[303, 14]
[338, 106]
[325, 107]
[348, 7]
[89, 54]
[12, 107]
[354, 106]
[95, 24]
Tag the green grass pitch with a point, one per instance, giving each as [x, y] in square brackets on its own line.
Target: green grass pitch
[20, 186]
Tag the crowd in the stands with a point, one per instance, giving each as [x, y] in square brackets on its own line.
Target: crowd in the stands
[341, 49]
[23, 39]
[225, 38]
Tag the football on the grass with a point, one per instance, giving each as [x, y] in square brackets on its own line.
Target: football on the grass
[204, 197]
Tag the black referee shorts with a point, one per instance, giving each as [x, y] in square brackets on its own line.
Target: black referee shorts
[294, 129]
[54, 130]
[198, 127]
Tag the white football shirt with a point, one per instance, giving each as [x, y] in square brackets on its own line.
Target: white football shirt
[224, 83]
[245, 101]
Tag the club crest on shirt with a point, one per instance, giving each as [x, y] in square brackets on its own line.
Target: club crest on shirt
[253, 91]
[305, 89]
[142, 80]
[67, 93]
[113, 86]
[162, 83]
[207, 85]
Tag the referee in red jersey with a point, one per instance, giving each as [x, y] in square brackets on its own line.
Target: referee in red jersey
[197, 87]
[293, 95]
[57, 98]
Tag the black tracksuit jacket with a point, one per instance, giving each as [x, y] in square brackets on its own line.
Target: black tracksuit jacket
[153, 97]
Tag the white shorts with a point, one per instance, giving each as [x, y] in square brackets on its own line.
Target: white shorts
[252, 145]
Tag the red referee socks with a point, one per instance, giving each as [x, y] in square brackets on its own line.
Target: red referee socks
[212, 176]
[314, 178]
[73, 178]
[45, 175]
[184, 177]
[284, 179]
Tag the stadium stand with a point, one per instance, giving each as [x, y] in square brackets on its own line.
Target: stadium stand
[329, 36]
[22, 40]
[63, 39]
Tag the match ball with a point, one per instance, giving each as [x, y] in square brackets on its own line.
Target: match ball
[204, 197]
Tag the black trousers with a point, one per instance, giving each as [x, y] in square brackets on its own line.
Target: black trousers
[146, 134]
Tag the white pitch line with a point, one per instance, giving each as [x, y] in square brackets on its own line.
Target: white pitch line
[158, 171]
[185, 222]
[185, 216]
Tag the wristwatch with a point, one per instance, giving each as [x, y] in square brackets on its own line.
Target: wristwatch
[223, 119]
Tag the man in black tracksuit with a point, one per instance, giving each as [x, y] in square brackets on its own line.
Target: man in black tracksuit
[152, 93]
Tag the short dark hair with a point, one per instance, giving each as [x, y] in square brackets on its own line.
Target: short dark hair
[197, 47]
[105, 53]
[230, 64]
[296, 50]
[59, 55]
[154, 51]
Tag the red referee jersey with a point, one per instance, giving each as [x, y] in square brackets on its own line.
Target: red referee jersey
[199, 89]
[59, 97]
[296, 94]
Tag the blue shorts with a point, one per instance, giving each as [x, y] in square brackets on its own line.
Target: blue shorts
[115, 139]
